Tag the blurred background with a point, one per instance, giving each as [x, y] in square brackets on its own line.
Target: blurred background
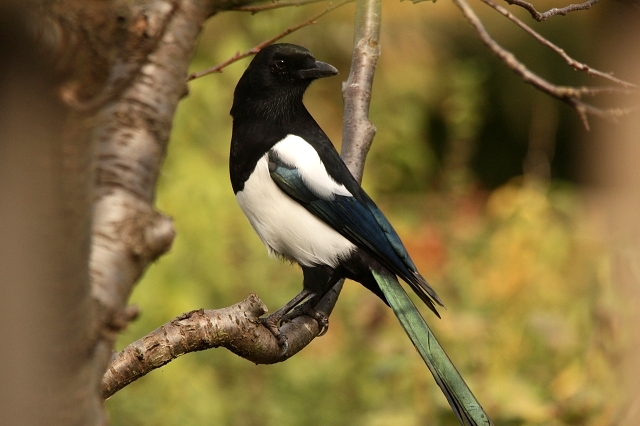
[497, 191]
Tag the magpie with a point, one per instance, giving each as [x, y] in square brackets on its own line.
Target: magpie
[307, 208]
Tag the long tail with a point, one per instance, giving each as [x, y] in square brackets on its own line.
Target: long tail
[465, 406]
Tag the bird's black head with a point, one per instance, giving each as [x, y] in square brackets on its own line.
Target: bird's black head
[276, 79]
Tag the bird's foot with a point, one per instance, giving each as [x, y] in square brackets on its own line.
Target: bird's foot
[294, 309]
[272, 322]
[308, 308]
[322, 320]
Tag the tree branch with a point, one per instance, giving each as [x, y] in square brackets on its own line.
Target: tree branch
[236, 328]
[358, 132]
[276, 5]
[257, 48]
[570, 95]
[551, 12]
[568, 59]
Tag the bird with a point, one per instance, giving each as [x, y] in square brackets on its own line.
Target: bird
[307, 208]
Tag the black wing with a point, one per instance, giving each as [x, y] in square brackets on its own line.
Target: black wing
[361, 222]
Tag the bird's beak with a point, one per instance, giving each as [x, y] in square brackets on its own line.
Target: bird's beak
[319, 70]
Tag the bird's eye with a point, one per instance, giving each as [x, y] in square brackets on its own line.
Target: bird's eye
[279, 64]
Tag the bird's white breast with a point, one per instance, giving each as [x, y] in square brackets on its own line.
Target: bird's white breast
[285, 227]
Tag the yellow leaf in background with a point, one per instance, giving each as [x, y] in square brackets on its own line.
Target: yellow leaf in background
[392, 418]
[519, 400]
[518, 197]
[568, 381]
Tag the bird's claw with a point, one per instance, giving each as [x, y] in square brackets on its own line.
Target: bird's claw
[283, 343]
[321, 319]
[271, 323]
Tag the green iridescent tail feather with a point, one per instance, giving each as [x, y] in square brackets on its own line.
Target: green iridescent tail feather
[464, 404]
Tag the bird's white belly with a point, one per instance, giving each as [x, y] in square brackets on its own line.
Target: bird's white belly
[287, 228]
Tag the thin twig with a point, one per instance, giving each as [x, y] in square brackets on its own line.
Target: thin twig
[543, 16]
[569, 95]
[276, 5]
[568, 59]
[237, 56]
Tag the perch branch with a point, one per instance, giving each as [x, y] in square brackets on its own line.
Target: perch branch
[543, 16]
[235, 327]
[257, 48]
[570, 95]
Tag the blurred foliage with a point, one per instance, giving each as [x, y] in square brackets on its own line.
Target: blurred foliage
[515, 258]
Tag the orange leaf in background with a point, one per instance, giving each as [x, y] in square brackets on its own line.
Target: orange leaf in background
[427, 249]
